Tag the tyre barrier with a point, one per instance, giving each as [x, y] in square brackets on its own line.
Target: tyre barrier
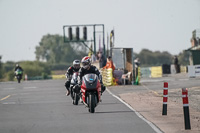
[107, 77]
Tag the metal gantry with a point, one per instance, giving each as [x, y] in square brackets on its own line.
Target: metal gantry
[85, 40]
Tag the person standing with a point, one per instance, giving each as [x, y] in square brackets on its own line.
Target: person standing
[101, 58]
[176, 64]
[109, 63]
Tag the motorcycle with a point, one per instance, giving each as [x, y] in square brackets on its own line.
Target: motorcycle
[18, 74]
[91, 91]
[74, 81]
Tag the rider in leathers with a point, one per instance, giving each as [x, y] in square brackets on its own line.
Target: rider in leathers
[18, 67]
[69, 73]
[86, 69]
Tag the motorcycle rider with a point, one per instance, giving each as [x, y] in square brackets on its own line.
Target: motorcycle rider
[18, 67]
[86, 69]
[74, 68]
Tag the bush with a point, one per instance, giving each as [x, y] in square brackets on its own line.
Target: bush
[44, 75]
[10, 76]
[35, 68]
[62, 66]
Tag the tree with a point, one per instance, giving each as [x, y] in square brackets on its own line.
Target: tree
[183, 57]
[149, 58]
[53, 50]
[1, 69]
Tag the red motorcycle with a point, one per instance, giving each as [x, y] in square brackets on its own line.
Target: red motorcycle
[91, 91]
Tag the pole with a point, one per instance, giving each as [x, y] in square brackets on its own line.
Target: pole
[186, 108]
[104, 47]
[94, 41]
[107, 45]
[165, 96]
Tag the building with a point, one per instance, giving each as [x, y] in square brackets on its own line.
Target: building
[195, 48]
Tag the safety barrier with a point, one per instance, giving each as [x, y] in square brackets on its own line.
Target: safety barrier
[156, 72]
[58, 76]
[183, 69]
[107, 75]
[145, 72]
[159, 71]
[194, 71]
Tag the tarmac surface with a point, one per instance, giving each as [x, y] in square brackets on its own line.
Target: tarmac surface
[147, 100]
[41, 106]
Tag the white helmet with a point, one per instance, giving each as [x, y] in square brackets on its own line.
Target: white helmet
[76, 64]
[86, 62]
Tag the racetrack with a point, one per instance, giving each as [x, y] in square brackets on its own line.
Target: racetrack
[43, 107]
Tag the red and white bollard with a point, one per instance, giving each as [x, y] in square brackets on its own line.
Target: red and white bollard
[186, 108]
[165, 97]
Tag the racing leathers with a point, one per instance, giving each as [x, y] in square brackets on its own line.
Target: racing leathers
[20, 68]
[69, 74]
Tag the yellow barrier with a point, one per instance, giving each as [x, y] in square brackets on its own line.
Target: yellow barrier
[58, 77]
[183, 69]
[107, 77]
[156, 72]
[139, 75]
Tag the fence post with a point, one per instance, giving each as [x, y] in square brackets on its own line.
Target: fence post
[165, 96]
[186, 108]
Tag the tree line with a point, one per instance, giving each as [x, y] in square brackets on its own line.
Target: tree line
[53, 54]
[149, 58]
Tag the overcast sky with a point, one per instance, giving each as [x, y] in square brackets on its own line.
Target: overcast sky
[164, 25]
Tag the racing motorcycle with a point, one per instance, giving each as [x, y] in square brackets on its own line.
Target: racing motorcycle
[91, 91]
[18, 74]
[74, 81]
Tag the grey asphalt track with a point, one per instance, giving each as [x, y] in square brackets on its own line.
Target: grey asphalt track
[42, 107]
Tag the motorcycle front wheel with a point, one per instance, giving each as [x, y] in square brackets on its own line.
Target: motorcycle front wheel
[18, 79]
[76, 99]
[91, 103]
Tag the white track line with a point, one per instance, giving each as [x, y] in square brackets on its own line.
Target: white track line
[31, 87]
[137, 113]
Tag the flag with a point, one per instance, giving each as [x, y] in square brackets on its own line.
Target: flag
[112, 38]
[100, 48]
[90, 51]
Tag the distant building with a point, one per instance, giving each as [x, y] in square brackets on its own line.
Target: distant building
[195, 48]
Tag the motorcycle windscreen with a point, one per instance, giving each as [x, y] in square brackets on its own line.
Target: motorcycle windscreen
[90, 81]
[74, 79]
[18, 71]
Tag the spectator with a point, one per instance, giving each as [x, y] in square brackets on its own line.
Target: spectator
[137, 64]
[101, 58]
[109, 64]
[176, 63]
